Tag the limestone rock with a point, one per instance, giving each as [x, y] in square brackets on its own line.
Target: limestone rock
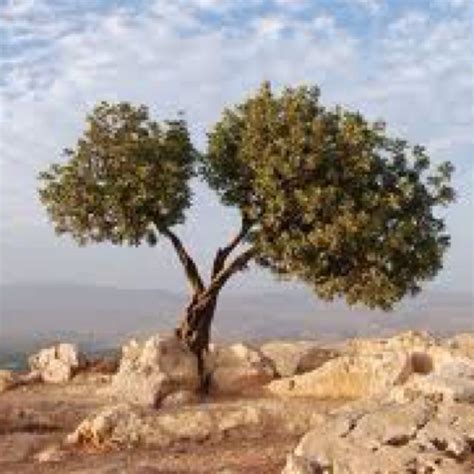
[8, 380]
[290, 358]
[117, 425]
[348, 377]
[238, 367]
[462, 344]
[453, 381]
[299, 465]
[125, 425]
[389, 438]
[58, 363]
[151, 370]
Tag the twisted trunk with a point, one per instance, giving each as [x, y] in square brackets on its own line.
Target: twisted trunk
[195, 327]
[195, 330]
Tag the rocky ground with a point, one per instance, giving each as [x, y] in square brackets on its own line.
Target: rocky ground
[37, 419]
[379, 406]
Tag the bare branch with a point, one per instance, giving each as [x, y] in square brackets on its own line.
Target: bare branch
[239, 263]
[190, 268]
[224, 252]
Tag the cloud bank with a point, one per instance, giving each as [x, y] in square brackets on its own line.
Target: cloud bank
[407, 62]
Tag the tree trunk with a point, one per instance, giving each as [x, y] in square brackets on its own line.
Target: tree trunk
[194, 330]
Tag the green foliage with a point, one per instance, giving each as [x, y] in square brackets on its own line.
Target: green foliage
[335, 201]
[326, 196]
[126, 178]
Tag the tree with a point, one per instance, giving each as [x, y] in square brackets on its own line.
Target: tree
[324, 195]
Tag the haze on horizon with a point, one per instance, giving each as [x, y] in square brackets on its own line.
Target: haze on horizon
[408, 64]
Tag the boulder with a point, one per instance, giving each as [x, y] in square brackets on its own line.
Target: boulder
[385, 438]
[126, 425]
[8, 380]
[351, 376]
[236, 368]
[463, 344]
[452, 381]
[58, 363]
[151, 370]
[117, 425]
[290, 358]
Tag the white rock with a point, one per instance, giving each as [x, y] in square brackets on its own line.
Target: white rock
[298, 465]
[453, 381]
[389, 438]
[58, 363]
[348, 377]
[152, 370]
[238, 367]
[290, 358]
[462, 344]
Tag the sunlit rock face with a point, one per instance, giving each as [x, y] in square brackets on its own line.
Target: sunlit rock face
[237, 368]
[151, 370]
[387, 437]
[58, 363]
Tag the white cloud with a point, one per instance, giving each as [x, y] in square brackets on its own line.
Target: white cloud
[417, 73]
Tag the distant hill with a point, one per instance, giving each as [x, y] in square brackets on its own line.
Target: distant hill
[33, 314]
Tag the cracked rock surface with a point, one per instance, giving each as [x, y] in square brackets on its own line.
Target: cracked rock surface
[384, 437]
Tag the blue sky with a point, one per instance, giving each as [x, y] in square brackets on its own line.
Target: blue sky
[409, 62]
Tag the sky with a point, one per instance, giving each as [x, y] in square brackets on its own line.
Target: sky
[405, 61]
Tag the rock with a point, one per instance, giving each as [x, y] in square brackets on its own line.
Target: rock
[453, 381]
[52, 454]
[409, 341]
[126, 425]
[58, 363]
[237, 368]
[299, 465]
[179, 399]
[348, 377]
[385, 437]
[31, 377]
[118, 425]
[8, 380]
[152, 370]
[290, 358]
[195, 425]
[463, 344]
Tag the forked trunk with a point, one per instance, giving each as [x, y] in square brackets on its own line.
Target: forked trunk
[195, 328]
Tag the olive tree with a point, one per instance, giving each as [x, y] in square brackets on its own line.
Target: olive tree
[325, 196]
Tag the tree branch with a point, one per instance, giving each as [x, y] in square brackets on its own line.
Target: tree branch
[223, 252]
[239, 263]
[190, 268]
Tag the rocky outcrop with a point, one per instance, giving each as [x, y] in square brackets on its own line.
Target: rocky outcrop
[151, 370]
[406, 365]
[125, 425]
[237, 368]
[290, 358]
[462, 344]
[386, 437]
[349, 376]
[57, 364]
[452, 381]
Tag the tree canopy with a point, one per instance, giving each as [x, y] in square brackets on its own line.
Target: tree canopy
[127, 178]
[336, 201]
[326, 196]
